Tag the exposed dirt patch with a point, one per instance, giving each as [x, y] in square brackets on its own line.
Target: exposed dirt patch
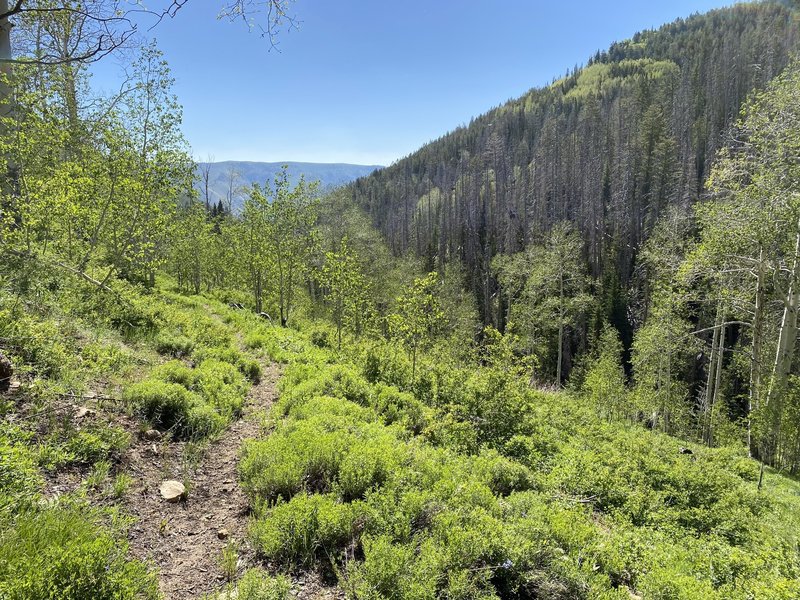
[185, 540]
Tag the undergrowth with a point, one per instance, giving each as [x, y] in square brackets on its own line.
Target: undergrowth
[82, 358]
[465, 483]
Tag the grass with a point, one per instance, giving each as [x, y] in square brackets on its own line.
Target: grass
[229, 560]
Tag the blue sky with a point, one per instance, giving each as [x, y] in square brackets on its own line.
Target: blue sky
[370, 81]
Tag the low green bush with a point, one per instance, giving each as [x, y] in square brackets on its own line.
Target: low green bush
[175, 371]
[386, 364]
[103, 358]
[368, 464]
[163, 404]
[203, 421]
[399, 407]
[256, 340]
[20, 481]
[306, 528]
[502, 475]
[338, 381]
[327, 405]
[221, 385]
[246, 364]
[305, 456]
[321, 337]
[173, 344]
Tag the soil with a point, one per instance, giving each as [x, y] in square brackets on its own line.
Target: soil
[185, 540]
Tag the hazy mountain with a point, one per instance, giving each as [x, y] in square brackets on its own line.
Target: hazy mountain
[234, 175]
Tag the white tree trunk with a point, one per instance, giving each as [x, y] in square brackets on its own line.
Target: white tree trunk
[782, 366]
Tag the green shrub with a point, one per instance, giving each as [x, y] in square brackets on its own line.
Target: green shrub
[321, 338]
[174, 344]
[388, 572]
[163, 404]
[202, 421]
[39, 344]
[303, 457]
[337, 380]
[387, 364]
[102, 358]
[19, 478]
[64, 554]
[368, 464]
[221, 385]
[503, 476]
[222, 353]
[399, 407]
[326, 405]
[307, 528]
[246, 364]
[205, 331]
[175, 371]
[250, 367]
[256, 340]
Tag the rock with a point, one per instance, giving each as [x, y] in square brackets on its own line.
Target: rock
[152, 435]
[172, 491]
[223, 534]
[83, 411]
[6, 371]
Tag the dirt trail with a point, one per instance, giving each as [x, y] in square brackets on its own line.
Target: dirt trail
[185, 540]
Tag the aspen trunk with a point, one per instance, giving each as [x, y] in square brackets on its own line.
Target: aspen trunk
[711, 378]
[782, 366]
[717, 382]
[560, 328]
[755, 358]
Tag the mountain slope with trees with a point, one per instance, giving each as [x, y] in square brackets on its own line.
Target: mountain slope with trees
[608, 148]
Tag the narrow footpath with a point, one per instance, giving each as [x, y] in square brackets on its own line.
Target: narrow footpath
[185, 540]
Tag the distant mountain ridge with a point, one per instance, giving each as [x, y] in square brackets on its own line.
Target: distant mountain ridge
[228, 178]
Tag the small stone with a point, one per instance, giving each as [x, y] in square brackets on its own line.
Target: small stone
[172, 491]
[83, 411]
[223, 534]
[152, 435]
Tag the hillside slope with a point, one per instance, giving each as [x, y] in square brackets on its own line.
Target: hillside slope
[609, 148]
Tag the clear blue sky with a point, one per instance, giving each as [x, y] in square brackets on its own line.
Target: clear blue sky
[369, 81]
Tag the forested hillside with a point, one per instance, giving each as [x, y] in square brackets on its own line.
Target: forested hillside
[608, 148]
